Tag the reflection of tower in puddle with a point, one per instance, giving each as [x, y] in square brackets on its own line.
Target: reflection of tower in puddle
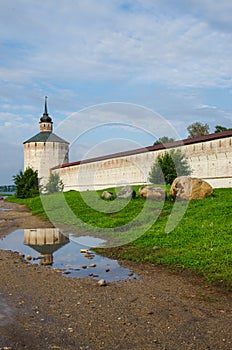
[45, 241]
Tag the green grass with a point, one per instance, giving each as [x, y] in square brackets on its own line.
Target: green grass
[202, 241]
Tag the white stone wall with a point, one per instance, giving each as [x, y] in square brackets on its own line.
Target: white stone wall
[210, 160]
[42, 156]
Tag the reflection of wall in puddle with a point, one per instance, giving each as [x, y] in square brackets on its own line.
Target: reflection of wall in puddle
[45, 241]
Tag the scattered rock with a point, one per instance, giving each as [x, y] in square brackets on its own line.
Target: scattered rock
[156, 247]
[107, 195]
[29, 257]
[152, 192]
[58, 270]
[92, 265]
[89, 255]
[186, 187]
[84, 251]
[84, 267]
[102, 283]
[126, 192]
[107, 269]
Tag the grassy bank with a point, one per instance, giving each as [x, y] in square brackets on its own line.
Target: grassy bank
[202, 241]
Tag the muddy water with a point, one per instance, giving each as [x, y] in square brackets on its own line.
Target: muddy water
[69, 254]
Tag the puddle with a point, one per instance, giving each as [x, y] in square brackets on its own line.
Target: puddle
[47, 246]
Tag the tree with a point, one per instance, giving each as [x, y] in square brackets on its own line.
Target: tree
[168, 166]
[27, 183]
[163, 139]
[197, 129]
[54, 184]
[219, 128]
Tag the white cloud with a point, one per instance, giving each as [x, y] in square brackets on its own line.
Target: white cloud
[163, 54]
[89, 41]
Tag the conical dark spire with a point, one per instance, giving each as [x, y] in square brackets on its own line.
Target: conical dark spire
[45, 106]
[45, 118]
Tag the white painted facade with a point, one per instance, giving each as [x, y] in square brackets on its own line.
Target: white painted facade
[42, 156]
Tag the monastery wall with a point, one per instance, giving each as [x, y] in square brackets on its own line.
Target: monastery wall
[209, 159]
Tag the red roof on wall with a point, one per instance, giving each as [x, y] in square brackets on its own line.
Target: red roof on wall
[174, 144]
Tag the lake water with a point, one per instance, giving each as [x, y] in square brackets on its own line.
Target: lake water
[70, 254]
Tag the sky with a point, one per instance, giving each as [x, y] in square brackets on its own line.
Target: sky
[118, 74]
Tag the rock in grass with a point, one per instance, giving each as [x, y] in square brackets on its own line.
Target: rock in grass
[126, 192]
[107, 195]
[152, 192]
[186, 187]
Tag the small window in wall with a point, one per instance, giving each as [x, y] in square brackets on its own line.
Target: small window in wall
[44, 125]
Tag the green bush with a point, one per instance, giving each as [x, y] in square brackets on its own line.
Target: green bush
[54, 184]
[27, 183]
[168, 166]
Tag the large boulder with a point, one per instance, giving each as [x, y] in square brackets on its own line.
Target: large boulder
[186, 187]
[152, 192]
[126, 192]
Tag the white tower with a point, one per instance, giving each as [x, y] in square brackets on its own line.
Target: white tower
[45, 150]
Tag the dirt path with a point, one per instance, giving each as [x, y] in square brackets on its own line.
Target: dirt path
[14, 216]
[40, 309]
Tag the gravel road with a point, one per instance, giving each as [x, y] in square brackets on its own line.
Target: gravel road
[41, 309]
